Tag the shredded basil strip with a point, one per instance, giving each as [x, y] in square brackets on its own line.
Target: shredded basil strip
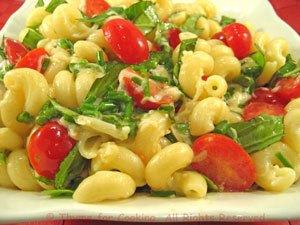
[44, 180]
[2, 54]
[40, 3]
[283, 160]
[210, 184]
[45, 64]
[137, 80]
[143, 15]
[32, 38]
[25, 117]
[69, 168]
[66, 44]
[61, 193]
[53, 4]
[147, 88]
[255, 134]
[225, 21]
[159, 78]
[163, 193]
[190, 25]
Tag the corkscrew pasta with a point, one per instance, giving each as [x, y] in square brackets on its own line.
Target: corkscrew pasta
[146, 95]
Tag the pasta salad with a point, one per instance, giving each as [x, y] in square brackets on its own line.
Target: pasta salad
[103, 99]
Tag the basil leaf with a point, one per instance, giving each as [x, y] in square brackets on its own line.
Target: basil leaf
[32, 38]
[69, 168]
[225, 21]
[163, 193]
[25, 117]
[190, 25]
[248, 83]
[187, 45]
[171, 138]
[40, 3]
[53, 4]
[160, 39]
[143, 15]
[99, 19]
[59, 193]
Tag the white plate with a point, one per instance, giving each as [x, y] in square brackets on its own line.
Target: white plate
[17, 206]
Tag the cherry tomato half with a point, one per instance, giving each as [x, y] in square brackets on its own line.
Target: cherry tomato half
[238, 38]
[95, 7]
[174, 39]
[288, 88]
[33, 60]
[267, 95]
[254, 109]
[137, 92]
[126, 40]
[224, 161]
[14, 50]
[220, 36]
[47, 147]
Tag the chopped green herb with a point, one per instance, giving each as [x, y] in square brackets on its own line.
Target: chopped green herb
[163, 193]
[171, 138]
[62, 193]
[31, 39]
[159, 78]
[53, 4]
[40, 3]
[25, 117]
[147, 88]
[225, 21]
[241, 106]
[137, 80]
[44, 180]
[45, 64]
[190, 24]
[69, 168]
[229, 93]
[66, 44]
[100, 60]
[284, 160]
[166, 108]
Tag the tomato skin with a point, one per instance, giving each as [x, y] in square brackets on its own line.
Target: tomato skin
[288, 88]
[238, 38]
[14, 50]
[254, 109]
[220, 36]
[33, 60]
[267, 95]
[137, 92]
[126, 40]
[224, 161]
[95, 7]
[47, 147]
[155, 48]
[174, 39]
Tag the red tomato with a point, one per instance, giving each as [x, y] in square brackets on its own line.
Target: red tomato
[174, 39]
[14, 50]
[253, 110]
[224, 161]
[95, 7]
[126, 40]
[238, 38]
[47, 147]
[220, 36]
[288, 88]
[267, 95]
[33, 60]
[137, 92]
